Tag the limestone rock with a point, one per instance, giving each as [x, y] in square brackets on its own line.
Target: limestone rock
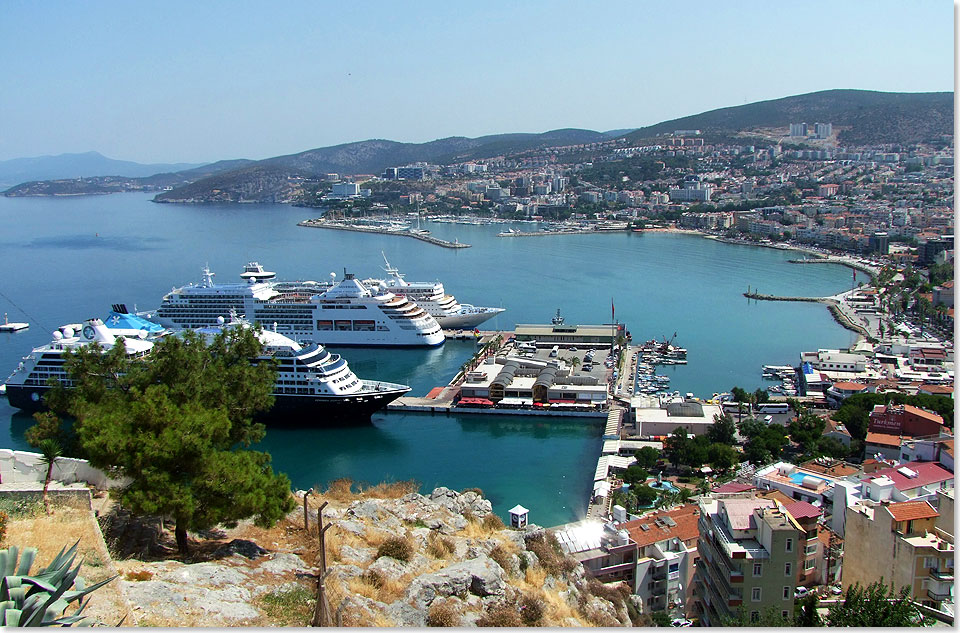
[243, 547]
[354, 555]
[389, 568]
[480, 576]
[283, 563]
[403, 614]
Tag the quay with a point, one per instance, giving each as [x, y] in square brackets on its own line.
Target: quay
[320, 223]
[586, 231]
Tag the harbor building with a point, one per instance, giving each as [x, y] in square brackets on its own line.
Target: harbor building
[747, 552]
[658, 416]
[517, 381]
[546, 335]
[918, 552]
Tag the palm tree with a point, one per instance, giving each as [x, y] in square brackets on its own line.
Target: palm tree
[575, 362]
[50, 451]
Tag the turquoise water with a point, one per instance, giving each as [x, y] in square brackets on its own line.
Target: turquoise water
[67, 259]
[798, 478]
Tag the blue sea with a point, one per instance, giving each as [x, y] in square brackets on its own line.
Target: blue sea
[63, 260]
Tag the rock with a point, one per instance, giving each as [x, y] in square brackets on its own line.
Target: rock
[531, 558]
[345, 572]
[390, 568]
[198, 574]
[480, 576]
[362, 611]
[602, 612]
[533, 532]
[283, 563]
[243, 547]
[459, 503]
[155, 597]
[403, 614]
[365, 510]
[354, 527]
[352, 555]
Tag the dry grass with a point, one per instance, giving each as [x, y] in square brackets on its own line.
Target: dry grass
[138, 575]
[443, 614]
[396, 547]
[377, 587]
[439, 547]
[346, 491]
[502, 616]
[291, 607]
[50, 533]
[477, 529]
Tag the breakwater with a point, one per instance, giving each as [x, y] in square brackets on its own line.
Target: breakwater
[590, 231]
[832, 304]
[424, 237]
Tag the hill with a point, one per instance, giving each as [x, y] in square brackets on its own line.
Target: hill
[87, 164]
[113, 184]
[873, 117]
[266, 180]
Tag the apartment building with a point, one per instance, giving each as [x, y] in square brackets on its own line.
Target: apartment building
[748, 556]
[903, 544]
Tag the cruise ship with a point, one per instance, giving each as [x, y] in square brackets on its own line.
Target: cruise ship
[312, 385]
[338, 313]
[431, 296]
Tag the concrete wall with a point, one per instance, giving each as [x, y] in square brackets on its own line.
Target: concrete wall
[22, 467]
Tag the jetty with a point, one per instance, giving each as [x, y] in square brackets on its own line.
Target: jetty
[320, 223]
[832, 304]
[7, 326]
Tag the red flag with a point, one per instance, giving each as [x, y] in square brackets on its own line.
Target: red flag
[612, 311]
[854, 274]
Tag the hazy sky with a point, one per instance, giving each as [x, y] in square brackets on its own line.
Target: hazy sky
[172, 81]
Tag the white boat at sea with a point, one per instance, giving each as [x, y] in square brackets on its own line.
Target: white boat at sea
[343, 312]
[431, 296]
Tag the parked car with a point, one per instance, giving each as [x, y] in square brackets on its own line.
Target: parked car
[800, 592]
[681, 622]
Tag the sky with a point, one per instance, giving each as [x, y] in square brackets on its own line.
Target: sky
[174, 81]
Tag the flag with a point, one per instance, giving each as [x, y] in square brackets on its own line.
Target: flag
[854, 274]
[612, 311]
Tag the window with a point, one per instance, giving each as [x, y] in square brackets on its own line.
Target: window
[785, 615]
[755, 595]
[810, 549]
[787, 568]
[757, 569]
[786, 593]
[754, 616]
[809, 564]
[789, 544]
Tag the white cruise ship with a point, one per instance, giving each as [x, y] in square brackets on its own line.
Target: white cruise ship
[431, 296]
[312, 385]
[339, 314]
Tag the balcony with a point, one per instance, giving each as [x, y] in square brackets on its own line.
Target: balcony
[941, 574]
[936, 596]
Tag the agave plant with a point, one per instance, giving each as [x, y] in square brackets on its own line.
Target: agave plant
[41, 599]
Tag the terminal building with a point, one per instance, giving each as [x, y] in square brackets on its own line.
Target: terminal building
[546, 335]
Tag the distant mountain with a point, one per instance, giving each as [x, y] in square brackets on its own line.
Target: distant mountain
[266, 180]
[87, 164]
[95, 185]
[874, 117]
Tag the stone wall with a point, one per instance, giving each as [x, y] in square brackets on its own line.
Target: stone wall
[17, 467]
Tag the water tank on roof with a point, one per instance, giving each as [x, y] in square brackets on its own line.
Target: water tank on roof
[810, 482]
[623, 537]
[619, 514]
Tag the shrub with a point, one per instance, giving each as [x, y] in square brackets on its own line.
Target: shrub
[440, 546]
[502, 616]
[502, 557]
[442, 614]
[476, 490]
[374, 577]
[550, 555]
[492, 522]
[396, 547]
[531, 610]
[3, 525]
[615, 593]
[143, 574]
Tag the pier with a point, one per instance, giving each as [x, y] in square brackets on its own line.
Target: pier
[832, 303]
[320, 223]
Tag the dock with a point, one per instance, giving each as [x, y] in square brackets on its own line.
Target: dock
[320, 223]
[7, 326]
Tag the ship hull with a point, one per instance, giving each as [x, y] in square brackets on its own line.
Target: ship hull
[467, 320]
[288, 409]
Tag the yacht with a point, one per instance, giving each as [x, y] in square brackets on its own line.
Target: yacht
[430, 296]
[339, 313]
[312, 385]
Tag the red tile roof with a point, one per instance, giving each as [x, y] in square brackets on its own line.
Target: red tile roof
[928, 415]
[802, 510]
[849, 386]
[882, 439]
[910, 510]
[934, 389]
[733, 487]
[685, 517]
[927, 473]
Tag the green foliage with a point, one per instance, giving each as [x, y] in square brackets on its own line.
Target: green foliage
[877, 604]
[647, 457]
[855, 410]
[832, 447]
[288, 607]
[806, 613]
[723, 430]
[177, 424]
[43, 598]
[722, 457]
[396, 547]
[4, 518]
[635, 475]
[940, 273]
[807, 431]
[645, 495]
[764, 443]
[660, 618]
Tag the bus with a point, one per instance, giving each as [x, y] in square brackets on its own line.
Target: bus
[773, 407]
